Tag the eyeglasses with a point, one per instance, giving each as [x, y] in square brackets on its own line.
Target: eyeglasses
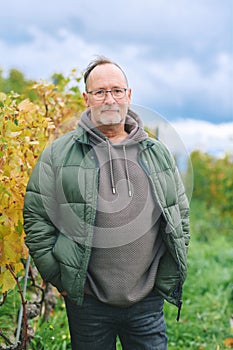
[99, 95]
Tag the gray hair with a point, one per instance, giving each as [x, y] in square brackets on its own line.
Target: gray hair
[100, 60]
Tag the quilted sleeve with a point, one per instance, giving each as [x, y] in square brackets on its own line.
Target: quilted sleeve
[40, 215]
[182, 197]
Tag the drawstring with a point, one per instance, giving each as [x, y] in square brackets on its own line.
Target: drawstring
[127, 172]
[111, 168]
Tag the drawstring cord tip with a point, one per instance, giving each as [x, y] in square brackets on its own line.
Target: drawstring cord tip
[179, 310]
[113, 190]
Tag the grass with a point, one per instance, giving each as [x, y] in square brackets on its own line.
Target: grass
[207, 298]
[53, 334]
[206, 312]
[8, 316]
[208, 290]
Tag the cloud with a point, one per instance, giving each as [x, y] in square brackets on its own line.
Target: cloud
[178, 84]
[184, 135]
[187, 20]
[181, 81]
[176, 60]
[45, 54]
[205, 136]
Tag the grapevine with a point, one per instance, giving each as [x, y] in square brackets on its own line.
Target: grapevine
[26, 127]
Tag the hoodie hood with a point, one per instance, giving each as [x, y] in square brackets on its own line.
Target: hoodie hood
[136, 134]
[133, 126]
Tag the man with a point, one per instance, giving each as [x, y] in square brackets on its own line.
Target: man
[106, 219]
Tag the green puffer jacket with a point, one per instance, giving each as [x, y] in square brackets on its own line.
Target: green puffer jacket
[60, 208]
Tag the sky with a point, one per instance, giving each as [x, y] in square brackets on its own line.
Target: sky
[177, 54]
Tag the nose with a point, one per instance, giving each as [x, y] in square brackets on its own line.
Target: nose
[108, 97]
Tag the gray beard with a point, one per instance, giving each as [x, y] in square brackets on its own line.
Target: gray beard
[110, 121]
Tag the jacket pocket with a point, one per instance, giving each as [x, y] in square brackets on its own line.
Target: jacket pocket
[70, 279]
[69, 255]
[168, 275]
[68, 252]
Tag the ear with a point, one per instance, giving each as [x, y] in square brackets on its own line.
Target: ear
[129, 94]
[86, 99]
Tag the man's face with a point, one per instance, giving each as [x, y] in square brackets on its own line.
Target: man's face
[108, 111]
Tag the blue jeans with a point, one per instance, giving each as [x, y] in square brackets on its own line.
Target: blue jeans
[95, 325]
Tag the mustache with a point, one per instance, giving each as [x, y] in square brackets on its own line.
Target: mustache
[112, 109]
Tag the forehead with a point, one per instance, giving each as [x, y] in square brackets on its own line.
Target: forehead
[105, 74]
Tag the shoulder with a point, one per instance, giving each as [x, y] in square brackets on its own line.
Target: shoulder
[157, 145]
[159, 150]
[59, 148]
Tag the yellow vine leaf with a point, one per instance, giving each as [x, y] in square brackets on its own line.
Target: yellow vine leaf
[14, 133]
[26, 127]
[26, 106]
[2, 96]
[11, 248]
[7, 281]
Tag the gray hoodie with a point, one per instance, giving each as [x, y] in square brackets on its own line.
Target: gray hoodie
[126, 246]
